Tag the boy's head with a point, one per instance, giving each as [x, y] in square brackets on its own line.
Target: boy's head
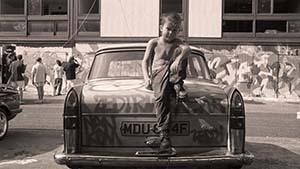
[170, 26]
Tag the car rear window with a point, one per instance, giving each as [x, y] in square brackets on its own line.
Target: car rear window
[129, 64]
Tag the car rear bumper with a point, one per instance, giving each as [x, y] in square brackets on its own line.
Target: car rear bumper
[117, 161]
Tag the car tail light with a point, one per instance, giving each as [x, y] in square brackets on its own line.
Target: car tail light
[236, 124]
[71, 112]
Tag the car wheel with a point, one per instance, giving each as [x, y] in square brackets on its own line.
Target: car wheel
[3, 123]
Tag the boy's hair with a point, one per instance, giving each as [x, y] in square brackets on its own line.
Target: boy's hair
[172, 17]
[19, 57]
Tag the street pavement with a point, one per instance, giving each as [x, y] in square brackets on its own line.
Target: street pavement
[36, 134]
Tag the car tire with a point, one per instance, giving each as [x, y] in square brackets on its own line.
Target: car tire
[3, 123]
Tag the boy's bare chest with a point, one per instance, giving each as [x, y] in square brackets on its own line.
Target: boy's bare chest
[164, 52]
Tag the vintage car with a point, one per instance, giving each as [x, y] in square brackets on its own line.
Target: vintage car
[9, 107]
[108, 118]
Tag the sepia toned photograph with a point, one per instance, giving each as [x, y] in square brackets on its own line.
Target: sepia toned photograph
[149, 84]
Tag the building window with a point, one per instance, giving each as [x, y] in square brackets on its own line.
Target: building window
[286, 6]
[48, 7]
[270, 27]
[89, 7]
[238, 6]
[50, 28]
[12, 7]
[237, 26]
[279, 6]
[41, 28]
[89, 27]
[275, 17]
[171, 6]
[294, 26]
[264, 6]
[61, 27]
[12, 26]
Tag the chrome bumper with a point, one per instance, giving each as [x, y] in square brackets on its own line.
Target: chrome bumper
[117, 161]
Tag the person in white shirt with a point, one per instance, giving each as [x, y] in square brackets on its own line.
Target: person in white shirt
[39, 74]
[58, 75]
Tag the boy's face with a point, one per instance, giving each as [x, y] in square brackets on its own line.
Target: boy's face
[169, 31]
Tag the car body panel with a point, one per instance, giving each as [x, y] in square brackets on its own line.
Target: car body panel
[9, 100]
[121, 113]
[10, 106]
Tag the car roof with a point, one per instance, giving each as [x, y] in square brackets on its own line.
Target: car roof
[130, 46]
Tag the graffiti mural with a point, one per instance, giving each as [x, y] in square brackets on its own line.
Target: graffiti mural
[257, 71]
[49, 56]
[100, 131]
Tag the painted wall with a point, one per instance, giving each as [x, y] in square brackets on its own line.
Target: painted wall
[257, 71]
[49, 56]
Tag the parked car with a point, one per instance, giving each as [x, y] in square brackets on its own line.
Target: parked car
[9, 107]
[108, 118]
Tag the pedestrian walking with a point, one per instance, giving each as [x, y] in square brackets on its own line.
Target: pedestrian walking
[58, 75]
[16, 79]
[39, 74]
[70, 69]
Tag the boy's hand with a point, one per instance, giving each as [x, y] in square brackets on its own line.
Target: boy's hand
[148, 84]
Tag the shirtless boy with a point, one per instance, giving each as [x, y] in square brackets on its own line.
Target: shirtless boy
[164, 67]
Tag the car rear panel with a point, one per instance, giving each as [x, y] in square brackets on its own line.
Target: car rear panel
[116, 120]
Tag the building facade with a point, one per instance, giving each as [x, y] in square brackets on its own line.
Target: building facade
[251, 44]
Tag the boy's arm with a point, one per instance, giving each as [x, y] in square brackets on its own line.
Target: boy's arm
[185, 51]
[146, 60]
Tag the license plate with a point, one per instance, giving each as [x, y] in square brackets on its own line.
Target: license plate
[145, 128]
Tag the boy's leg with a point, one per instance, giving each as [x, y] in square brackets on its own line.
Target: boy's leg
[162, 91]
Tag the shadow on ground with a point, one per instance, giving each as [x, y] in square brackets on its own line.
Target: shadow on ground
[271, 156]
[22, 143]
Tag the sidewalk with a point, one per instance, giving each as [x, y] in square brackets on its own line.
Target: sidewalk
[30, 96]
